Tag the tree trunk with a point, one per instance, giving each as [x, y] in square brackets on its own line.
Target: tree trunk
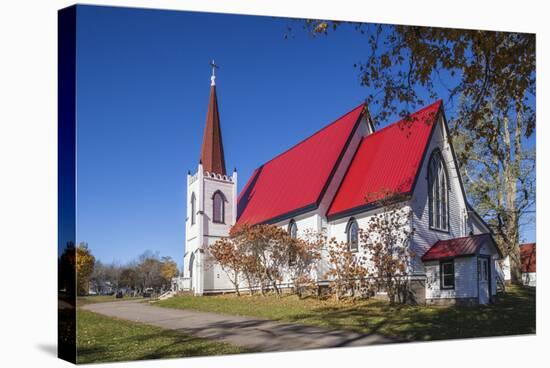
[515, 263]
[249, 282]
[236, 283]
[510, 215]
[275, 287]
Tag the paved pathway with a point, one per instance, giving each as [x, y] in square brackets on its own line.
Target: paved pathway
[249, 332]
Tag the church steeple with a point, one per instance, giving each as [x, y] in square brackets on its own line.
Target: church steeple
[212, 157]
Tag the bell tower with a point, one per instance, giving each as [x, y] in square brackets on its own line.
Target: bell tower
[211, 203]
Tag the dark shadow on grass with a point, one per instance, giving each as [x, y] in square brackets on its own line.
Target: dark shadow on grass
[512, 314]
[266, 335]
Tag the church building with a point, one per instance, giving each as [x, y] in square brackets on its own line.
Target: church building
[321, 185]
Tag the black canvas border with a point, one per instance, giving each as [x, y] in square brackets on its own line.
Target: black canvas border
[66, 190]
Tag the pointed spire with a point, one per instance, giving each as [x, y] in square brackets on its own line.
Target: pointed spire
[212, 156]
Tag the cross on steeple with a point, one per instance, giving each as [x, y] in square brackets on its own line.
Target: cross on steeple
[213, 77]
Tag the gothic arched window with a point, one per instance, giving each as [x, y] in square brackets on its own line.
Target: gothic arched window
[193, 208]
[438, 193]
[353, 235]
[293, 229]
[218, 210]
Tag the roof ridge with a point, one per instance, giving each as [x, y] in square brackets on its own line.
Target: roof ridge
[391, 125]
[312, 135]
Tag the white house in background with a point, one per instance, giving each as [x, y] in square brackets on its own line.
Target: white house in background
[320, 184]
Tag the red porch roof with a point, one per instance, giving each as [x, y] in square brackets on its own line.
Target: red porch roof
[457, 247]
[295, 180]
[386, 161]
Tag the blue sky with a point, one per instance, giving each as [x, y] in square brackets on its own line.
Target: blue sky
[143, 81]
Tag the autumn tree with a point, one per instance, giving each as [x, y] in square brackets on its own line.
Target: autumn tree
[262, 254]
[149, 271]
[489, 80]
[347, 269]
[230, 254]
[168, 269]
[268, 245]
[252, 271]
[84, 267]
[239, 259]
[385, 240]
[129, 277]
[304, 256]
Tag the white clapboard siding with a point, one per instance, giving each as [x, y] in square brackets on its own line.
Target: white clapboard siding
[424, 237]
[465, 280]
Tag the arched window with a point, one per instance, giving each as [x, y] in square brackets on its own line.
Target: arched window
[352, 231]
[193, 209]
[438, 193]
[218, 210]
[293, 232]
[293, 229]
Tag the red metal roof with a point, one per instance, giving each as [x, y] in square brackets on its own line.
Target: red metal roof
[296, 178]
[386, 161]
[457, 247]
[528, 255]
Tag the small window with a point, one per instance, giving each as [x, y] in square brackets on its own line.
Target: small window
[353, 235]
[218, 202]
[448, 275]
[293, 232]
[193, 209]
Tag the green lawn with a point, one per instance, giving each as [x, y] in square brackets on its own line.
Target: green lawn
[106, 339]
[513, 313]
